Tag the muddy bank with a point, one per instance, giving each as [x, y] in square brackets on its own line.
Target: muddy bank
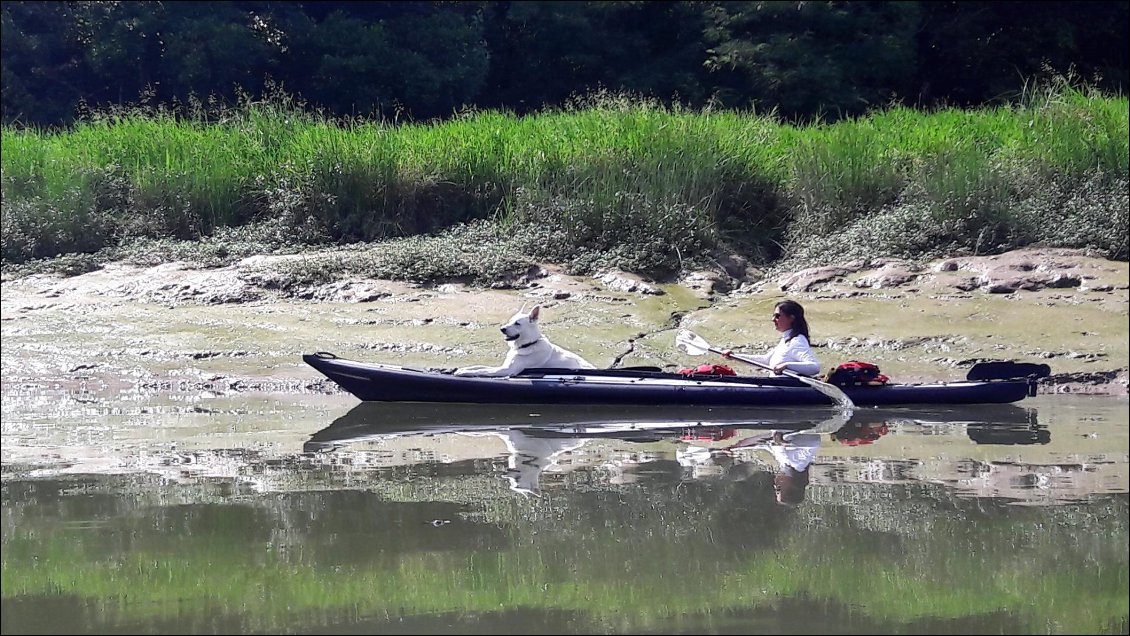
[244, 327]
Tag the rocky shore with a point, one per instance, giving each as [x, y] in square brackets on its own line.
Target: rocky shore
[245, 326]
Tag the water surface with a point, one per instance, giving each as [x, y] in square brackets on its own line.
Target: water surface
[145, 512]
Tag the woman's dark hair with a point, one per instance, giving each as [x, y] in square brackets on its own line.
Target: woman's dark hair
[796, 312]
[790, 485]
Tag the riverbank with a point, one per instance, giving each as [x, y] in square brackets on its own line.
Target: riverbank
[245, 326]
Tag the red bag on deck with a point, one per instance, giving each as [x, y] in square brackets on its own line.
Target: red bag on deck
[856, 373]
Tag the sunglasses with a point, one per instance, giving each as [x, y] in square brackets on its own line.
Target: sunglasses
[776, 316]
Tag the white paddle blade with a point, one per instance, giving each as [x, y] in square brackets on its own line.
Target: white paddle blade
[842, 400]
[690, 342]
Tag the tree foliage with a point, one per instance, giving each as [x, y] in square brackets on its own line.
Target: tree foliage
[422, 60]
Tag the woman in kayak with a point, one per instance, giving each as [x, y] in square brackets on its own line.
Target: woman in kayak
[793, 352]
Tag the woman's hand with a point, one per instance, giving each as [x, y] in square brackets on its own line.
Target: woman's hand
[781, 368]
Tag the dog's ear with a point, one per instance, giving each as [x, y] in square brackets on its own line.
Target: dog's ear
[535, 312]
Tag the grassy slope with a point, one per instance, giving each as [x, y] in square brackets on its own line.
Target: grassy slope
[619, 183]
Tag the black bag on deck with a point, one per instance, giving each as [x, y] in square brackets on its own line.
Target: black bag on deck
[1006, 370]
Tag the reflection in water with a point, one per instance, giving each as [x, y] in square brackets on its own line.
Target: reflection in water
[528, 456]
[553, 441]
[794, 452]
[860, 433]
[580, 521]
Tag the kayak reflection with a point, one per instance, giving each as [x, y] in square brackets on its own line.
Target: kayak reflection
[548, 439]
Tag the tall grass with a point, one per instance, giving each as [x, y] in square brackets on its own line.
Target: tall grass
[1050, 170]
[649, 184]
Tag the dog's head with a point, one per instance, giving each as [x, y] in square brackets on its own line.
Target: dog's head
[522, 327]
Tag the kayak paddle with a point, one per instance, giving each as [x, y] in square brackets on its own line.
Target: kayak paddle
[692, 343]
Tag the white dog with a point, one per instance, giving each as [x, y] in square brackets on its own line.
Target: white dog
[528, 349]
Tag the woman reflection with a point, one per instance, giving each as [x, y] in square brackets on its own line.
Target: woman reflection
[794, 452]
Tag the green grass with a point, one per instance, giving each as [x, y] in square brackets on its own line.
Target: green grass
[623, 178]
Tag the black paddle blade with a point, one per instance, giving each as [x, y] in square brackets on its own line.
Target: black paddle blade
[1007, 371]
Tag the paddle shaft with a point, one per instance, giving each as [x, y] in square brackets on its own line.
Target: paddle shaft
[835, 393]
[695, 345]
[738, 356]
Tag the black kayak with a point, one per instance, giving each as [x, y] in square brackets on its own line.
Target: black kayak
[374, 382]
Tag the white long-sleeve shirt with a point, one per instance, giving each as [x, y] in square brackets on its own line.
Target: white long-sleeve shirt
[796, 353]
[797, 452]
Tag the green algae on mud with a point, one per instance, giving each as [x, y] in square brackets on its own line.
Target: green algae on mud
[168, 323]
